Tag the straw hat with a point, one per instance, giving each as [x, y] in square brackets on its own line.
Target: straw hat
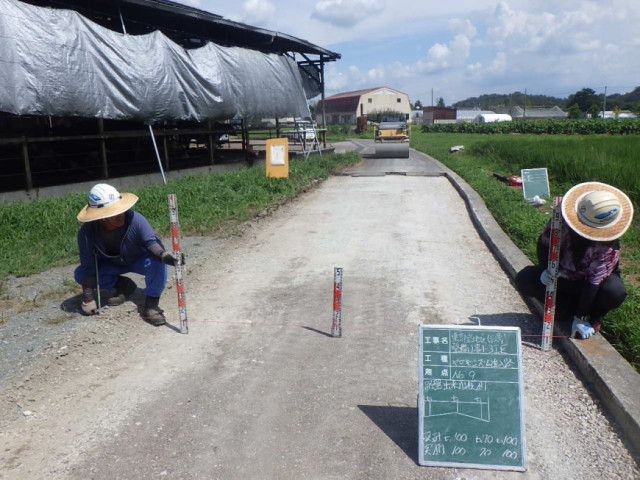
[104, 202]
[597, 211]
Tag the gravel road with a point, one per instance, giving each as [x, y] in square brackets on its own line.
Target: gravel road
[258, 388]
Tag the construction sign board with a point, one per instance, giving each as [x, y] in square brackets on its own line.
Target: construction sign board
[535, 181]
[470, 399]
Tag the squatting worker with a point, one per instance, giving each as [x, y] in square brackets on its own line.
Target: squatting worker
[120, 241]
[595, 216]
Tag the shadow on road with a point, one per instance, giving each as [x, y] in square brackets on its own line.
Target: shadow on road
[318, 331]
[400, 424]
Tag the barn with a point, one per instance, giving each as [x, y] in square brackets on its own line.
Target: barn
[373, 103]
[93, 89]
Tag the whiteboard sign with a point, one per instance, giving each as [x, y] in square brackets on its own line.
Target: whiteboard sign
[534, 182]
[470, 399]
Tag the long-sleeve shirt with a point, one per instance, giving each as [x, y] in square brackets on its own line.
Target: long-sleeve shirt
[582, 259]
[138, 239]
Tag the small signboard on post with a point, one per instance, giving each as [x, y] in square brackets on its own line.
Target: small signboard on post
[470, 401]
[535, 181]
[277, 164]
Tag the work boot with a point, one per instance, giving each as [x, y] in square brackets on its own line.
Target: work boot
[124, 288]
[152, 313]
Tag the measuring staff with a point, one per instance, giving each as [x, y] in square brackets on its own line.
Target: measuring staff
[115, 240]
[595, 216]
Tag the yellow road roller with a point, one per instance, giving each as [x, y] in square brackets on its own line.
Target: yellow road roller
[392, 140]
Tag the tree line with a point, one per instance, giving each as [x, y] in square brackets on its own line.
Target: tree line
[583, 101]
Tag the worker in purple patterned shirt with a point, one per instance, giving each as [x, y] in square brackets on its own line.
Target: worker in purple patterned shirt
[116, 240]
[595, 216]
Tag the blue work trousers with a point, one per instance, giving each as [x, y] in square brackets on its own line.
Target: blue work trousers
[153, 270]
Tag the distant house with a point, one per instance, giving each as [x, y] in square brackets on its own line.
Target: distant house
[438, 114]
[417, 117]
[344, 108]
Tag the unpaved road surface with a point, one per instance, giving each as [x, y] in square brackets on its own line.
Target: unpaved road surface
[259, 389]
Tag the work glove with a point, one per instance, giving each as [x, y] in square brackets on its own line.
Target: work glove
[582, 327]
[90, 308]
[546, 278]
[169, 259]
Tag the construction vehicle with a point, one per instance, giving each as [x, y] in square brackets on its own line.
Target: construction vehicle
[391, 140]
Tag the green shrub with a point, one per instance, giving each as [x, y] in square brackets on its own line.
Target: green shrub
[541, 127]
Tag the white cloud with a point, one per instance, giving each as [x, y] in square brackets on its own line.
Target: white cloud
[499, 63]
[443, 57]
[346, 13]
[474, 68]
[461, 48]
[257, 12]
[376, 76]
[462, 27]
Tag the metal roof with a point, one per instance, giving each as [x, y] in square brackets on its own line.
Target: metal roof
[187, 26]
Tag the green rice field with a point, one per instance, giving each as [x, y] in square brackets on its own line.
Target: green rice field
[570, 160]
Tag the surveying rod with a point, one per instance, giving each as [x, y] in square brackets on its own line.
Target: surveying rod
[336, 327]
[175, 240]
[552, 266]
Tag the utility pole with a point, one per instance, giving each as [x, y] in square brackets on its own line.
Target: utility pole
[432, 97]
[524, 107]
[604, 102]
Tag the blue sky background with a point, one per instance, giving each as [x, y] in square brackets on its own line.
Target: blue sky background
[460, 48]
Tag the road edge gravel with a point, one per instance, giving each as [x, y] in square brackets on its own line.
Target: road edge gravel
[611, 376]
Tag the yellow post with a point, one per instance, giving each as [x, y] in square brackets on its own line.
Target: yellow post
[277, 158]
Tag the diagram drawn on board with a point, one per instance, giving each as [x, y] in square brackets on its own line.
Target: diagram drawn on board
[477, 409]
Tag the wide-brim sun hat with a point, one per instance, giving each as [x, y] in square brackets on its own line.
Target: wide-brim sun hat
[597, 211]
[104, 201]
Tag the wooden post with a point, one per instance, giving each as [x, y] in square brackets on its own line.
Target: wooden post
[212, 148]
[103, 149]
[27, 166]
[166, 152]
[245, 141]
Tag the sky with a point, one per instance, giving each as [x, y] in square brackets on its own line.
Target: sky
[460, 48]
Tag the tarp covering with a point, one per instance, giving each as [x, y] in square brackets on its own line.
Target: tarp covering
[56, 62]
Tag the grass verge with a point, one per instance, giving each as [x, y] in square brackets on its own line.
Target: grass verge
[569, 160]
[42, 234]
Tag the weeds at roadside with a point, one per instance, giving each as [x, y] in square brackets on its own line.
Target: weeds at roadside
[34, 238]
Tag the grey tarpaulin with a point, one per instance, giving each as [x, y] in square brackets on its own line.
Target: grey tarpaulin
[56, 62]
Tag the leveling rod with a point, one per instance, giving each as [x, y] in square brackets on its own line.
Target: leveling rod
[336, 328]
[175, 238]
[553, 266]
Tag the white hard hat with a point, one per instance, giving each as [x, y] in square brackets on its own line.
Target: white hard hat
[104, 201]
[599, 208]
[597, 211]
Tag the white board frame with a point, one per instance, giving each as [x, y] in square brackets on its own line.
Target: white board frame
[421, 399]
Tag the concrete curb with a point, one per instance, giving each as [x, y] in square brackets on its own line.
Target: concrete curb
[612, 377]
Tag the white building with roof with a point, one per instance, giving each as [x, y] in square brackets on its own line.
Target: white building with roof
[344, 108]
[468, 116]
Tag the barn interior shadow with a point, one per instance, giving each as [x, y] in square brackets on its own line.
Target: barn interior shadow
[400, 424]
